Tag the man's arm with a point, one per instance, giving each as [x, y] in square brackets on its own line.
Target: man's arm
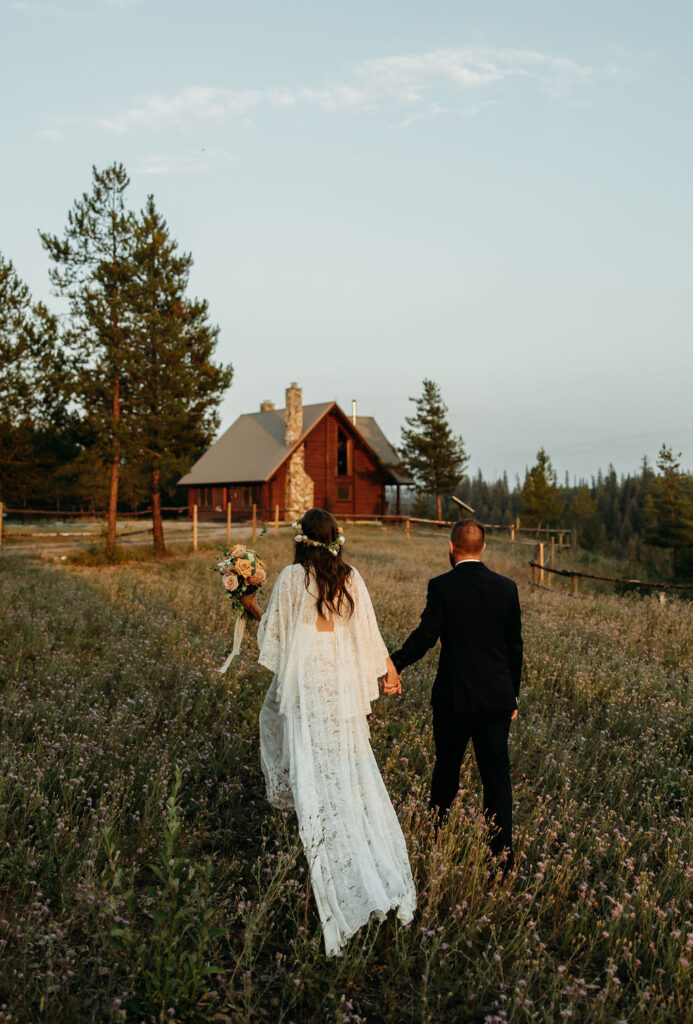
[514, 642]
[426, 633]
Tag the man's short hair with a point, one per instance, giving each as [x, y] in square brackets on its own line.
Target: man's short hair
[468, 536]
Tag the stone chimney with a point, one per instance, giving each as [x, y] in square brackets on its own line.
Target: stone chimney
[293, 421]
[266, 406]
[299, 486]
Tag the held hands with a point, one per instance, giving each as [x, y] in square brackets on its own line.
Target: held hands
[392, 682]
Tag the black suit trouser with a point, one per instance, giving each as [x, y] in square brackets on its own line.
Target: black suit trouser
[488, 731]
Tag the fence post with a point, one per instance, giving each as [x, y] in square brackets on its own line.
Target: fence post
[575, 586]
[194, 527]
[541, 561]
[407, 527]
[254, 522]
[534, 572]
[512, 533]
[276, 518]
[228, 523]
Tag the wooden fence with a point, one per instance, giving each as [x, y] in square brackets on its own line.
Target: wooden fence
[272, 518]
[542, 573]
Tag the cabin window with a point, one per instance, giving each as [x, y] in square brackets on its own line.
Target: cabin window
[250, 495]
[343, 454]
[344, 492]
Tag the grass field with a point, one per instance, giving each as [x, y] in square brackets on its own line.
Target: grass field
[133, 892]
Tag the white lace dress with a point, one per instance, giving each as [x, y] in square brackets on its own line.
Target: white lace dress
[317, 757]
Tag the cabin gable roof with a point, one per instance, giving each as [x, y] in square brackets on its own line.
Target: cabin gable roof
[253, 447]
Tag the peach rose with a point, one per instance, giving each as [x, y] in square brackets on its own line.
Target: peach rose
[237, 551]
[230, 582]
[244, 568]
[259, 575]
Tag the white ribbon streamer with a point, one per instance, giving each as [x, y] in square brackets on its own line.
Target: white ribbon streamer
[238, 634]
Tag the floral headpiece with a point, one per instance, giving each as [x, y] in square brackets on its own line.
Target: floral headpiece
[333, 547]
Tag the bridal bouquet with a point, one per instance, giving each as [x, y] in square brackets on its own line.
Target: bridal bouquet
[242, 573]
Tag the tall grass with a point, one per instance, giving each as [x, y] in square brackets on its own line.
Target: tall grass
[108, 685]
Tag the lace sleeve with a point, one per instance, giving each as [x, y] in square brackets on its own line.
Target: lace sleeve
[377, 650]
[272, 631]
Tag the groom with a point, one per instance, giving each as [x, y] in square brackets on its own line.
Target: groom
[476, 615]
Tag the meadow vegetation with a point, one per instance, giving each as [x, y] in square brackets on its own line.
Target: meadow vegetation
[143, 877]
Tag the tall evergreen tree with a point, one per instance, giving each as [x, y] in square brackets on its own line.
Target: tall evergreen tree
[540, 504]
[93, 269]
[429, 450]
[584, 514]
[176, 386]
[669, 506]
[32, 387]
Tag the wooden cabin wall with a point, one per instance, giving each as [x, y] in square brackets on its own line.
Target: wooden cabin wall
[359, 492]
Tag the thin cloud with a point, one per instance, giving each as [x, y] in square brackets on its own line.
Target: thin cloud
[188, 162]
[50, 135]
[425, 83]
[619, 72]
[196, 103]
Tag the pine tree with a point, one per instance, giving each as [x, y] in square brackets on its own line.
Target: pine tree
[93, 269]
[32, 388]
[431, 453]
[669, 506]
[583, 512]
[175, 384]
[540, 502]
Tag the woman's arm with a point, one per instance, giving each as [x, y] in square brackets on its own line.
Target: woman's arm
[249, 602]
[392, 682]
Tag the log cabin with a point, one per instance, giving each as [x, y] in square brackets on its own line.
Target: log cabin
[296, 458]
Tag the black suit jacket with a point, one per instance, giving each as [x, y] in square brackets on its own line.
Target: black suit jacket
[476, 614]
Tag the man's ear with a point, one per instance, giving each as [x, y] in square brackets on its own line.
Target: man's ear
[484, 548]
[452, 550]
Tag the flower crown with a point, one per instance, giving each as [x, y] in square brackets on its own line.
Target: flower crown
[333, 547]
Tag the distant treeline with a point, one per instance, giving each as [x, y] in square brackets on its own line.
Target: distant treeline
[615, 515]
[608, 513]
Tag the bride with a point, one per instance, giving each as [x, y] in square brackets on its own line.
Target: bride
[320, 638]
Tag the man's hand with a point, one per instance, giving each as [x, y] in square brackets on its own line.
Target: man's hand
[514, 714]
[392, 682]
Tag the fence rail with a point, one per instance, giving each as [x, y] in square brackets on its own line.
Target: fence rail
[61, 513]
[206, 520]
[575, 574]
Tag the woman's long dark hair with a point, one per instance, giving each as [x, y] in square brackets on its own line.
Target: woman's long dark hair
[331, 571]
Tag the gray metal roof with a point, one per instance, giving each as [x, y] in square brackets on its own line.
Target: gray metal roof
[371, 432]
[253, 448]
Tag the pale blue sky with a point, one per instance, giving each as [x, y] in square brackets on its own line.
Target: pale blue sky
[493, 195]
